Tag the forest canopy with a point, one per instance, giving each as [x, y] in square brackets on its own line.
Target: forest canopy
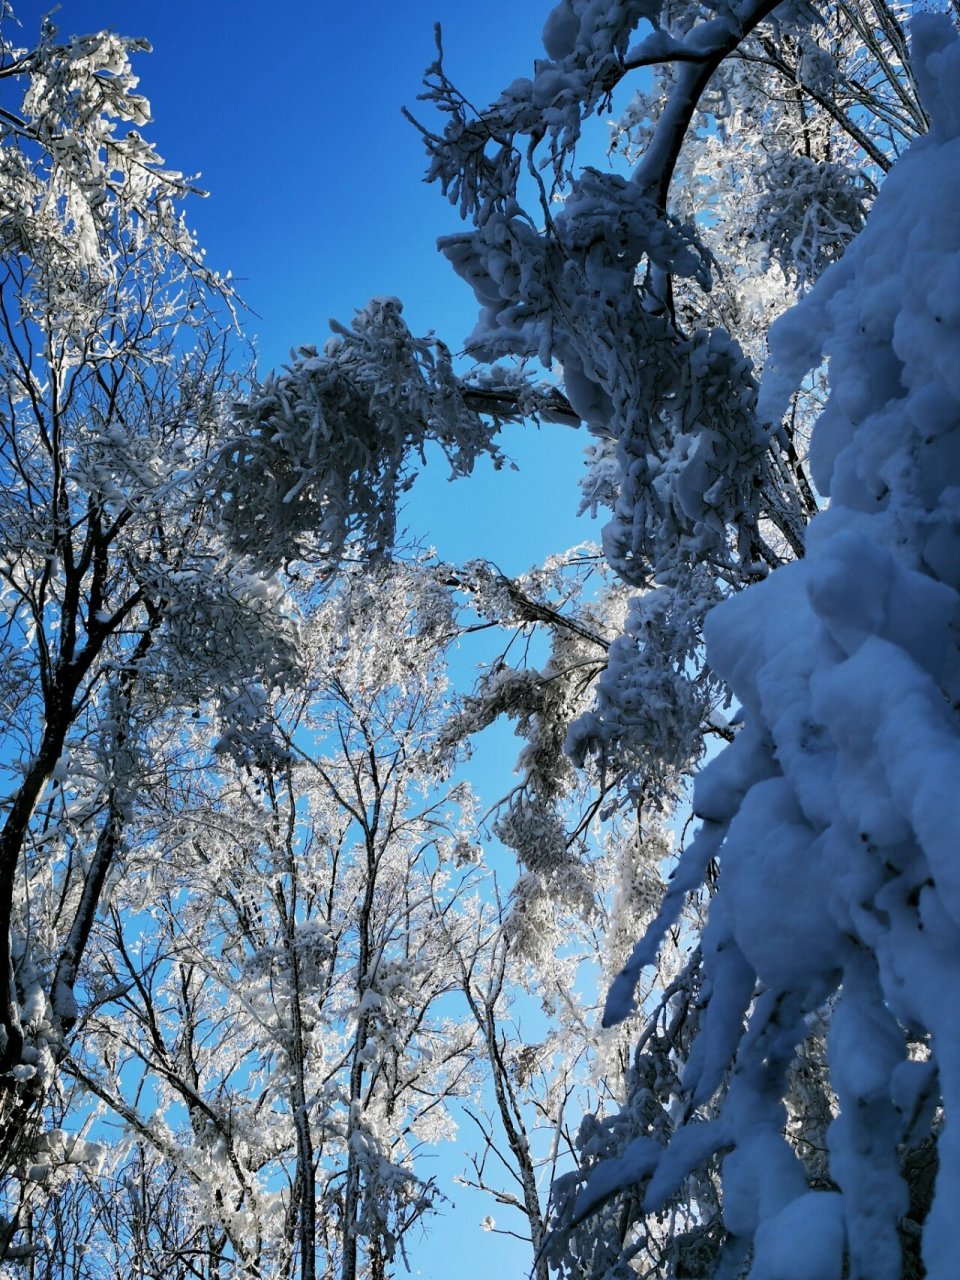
[265, 943]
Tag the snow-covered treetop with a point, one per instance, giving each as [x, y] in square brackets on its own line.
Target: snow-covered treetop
[77, 169]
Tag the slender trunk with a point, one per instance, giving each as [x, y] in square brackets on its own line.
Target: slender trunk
[61, 993]
[108, 842]
[351, 1201]
[519, 1143]
[306, 1175]
[20, 1101]
[378, 1261]
[59, 711]
[12, 839]
[351, 1198]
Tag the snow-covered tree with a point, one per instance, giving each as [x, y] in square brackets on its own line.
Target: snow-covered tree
[757, 148]
[545, 1059]
[113, 577]
[131, 1214]
[756, 143]
[831, 813]
[534, 962]
[276, 1020]
[137, 473]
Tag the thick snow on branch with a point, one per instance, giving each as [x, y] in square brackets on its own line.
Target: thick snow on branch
[833, 813]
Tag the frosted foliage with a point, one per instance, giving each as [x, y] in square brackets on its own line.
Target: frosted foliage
[601, 483]
[680, 410]
[81, 182]
[677, 415]
[637, 855]
[648, 719]
[122, 608]
[649, 293]
[323, 447]
[533, 819]
[299, 1025]
[782, 187]
[475, 160]
[833, 814]
[807, 213]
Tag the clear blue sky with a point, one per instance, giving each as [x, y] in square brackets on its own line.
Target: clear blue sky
[290, 112]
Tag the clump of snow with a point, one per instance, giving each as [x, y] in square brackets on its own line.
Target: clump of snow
[833, 815]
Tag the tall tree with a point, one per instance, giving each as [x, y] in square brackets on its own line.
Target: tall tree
[280, 1028]
[138, 477]
[113, 575]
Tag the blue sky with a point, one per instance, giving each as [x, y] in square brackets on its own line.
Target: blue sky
[290, 112]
